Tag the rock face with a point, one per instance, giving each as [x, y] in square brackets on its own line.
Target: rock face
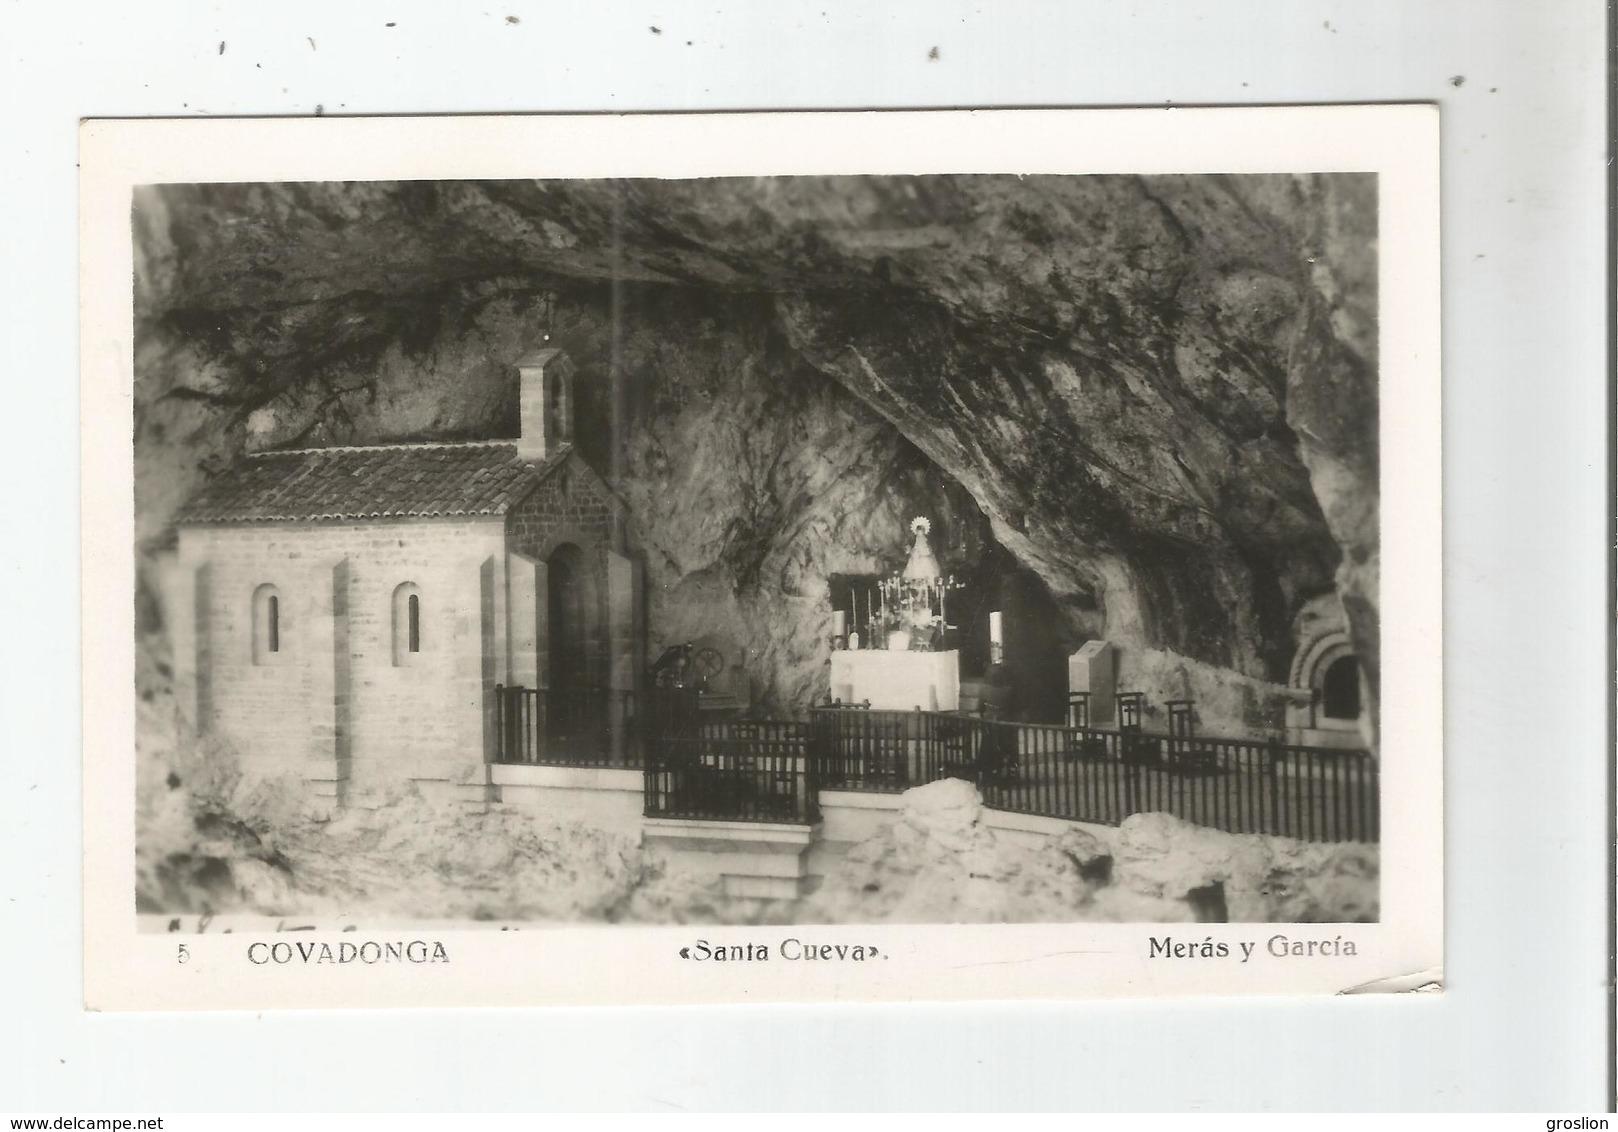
[938, 863]
[1161, 863]
[1157, 394]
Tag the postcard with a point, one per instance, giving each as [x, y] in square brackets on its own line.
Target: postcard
[761, 557]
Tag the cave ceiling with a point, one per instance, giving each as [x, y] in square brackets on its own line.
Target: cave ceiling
[1160, 392]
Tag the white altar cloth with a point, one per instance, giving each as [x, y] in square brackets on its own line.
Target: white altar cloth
[894, 680]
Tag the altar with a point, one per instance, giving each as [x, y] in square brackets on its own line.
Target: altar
[897, 680]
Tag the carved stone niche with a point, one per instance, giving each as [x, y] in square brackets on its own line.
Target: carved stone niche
[1328, 704]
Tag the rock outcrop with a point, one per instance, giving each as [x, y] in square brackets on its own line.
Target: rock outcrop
[1163, 865]
[938, 862]
[1158, 394]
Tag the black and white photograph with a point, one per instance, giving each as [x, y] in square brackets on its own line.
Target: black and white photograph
[948, 548]
[808, 558]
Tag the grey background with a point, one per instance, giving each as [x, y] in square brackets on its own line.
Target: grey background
[1524, 1022]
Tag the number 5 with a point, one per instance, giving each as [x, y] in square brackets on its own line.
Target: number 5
[185, 954]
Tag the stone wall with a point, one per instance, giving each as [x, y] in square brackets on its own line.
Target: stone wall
[605, 799]
[351, 718]
[570, 507]
[1227, 702]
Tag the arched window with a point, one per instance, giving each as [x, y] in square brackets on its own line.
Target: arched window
[406, 623]
[1340, 689]
[267, 637]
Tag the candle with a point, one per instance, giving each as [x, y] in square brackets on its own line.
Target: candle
[839, 624]
[995, 636]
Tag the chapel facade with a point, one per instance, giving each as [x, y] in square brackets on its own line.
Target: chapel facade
[348, 613]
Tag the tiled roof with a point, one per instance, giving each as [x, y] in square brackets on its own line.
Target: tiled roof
[389, 481]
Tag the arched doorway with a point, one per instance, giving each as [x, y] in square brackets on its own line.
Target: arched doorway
[573, 715]
[1340, 689]
[1330, 670]
[566, 616]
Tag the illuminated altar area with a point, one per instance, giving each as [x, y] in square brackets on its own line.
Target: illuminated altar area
[890, 648]
[897, 680]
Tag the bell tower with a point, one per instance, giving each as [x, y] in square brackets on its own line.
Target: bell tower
[547, 402]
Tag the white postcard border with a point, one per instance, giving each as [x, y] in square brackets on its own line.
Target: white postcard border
[538, 965]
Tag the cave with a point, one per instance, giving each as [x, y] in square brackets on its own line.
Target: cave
[1134, 409]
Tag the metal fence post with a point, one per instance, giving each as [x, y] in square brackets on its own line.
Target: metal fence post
[1273, 766]
[1131, 769]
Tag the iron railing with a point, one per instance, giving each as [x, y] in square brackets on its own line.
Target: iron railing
[734, 770]
[583, 726]
[773, 770]
[1090, 775]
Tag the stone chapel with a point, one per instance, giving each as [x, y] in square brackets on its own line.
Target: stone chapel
[350, 611]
